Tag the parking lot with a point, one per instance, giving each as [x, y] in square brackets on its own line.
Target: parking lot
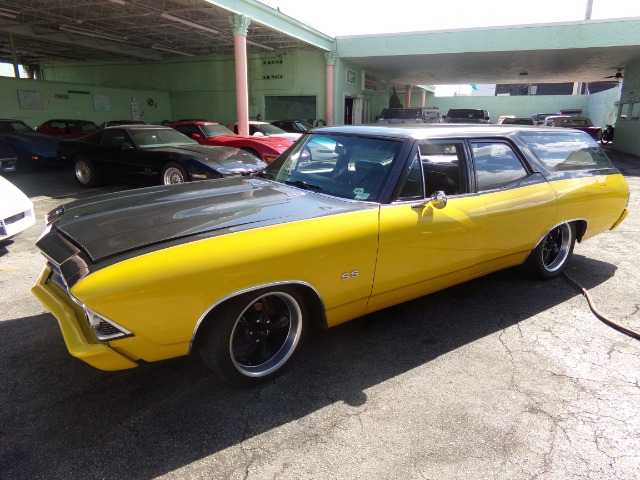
[501, 378]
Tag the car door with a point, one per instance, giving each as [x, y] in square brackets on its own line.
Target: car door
[424, 247]
[520, 205]
[117, 156]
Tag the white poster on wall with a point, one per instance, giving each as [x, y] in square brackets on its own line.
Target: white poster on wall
[101, 103]
[30, 100]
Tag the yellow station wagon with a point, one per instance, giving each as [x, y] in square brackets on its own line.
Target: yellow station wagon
[239, 269]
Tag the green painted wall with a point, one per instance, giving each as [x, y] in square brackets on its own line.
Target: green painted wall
[35, 101]
[627, 134]
[205, 87]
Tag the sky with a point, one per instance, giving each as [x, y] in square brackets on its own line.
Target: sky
[357, 17]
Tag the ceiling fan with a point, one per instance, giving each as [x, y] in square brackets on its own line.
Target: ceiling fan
[618, 76]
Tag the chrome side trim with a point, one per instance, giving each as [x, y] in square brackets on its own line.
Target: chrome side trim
[252, 289]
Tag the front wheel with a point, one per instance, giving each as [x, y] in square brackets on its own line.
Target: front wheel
[173, 173]
[86, 173]
[551, 256]
[251, 338]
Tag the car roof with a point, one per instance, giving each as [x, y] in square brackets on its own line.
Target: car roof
[137, 126]
[431, 130]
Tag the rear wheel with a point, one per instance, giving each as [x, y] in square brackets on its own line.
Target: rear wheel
[251, 338]
[173, 173]
[551, 256]
[86, 173]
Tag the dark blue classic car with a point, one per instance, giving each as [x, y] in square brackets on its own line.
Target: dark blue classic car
[150, 154]
[31, 148]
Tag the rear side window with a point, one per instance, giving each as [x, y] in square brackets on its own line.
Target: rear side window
[496, 164]
[566, 151]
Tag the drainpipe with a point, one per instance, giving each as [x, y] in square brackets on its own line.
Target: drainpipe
[14, 57]
[240, 25]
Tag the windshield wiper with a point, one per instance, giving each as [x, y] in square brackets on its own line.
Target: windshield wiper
[303, 185]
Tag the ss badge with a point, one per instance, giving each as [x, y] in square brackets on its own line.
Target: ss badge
[351, 274]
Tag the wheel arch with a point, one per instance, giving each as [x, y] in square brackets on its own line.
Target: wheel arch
[579, 224]
[305, 290]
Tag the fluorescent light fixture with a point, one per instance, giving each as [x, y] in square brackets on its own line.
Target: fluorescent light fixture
[7, 14]
[168, 16]
[266, 47]
[119, 2]
[89, 33]
[162, 48]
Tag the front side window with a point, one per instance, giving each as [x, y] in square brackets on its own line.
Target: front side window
[442, 164]
[496, 165]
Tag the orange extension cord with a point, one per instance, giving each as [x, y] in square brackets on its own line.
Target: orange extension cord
[601, 317]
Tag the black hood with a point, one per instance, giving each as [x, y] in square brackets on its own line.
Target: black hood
[113, 224]
[216, 157]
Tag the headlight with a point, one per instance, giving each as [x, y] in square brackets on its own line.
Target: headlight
[104, 328]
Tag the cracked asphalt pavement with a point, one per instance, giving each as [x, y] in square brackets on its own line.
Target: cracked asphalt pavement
[499, 378]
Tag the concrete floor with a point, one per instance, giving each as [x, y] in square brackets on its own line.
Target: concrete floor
[499, 378]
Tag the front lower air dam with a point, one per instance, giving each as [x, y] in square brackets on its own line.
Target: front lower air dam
[81, 346]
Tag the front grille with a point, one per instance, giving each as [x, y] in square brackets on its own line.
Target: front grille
[105, 330]
[14, 218]
[56, 277]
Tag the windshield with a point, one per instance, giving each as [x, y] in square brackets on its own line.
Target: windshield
[269, 129]
[404, 113]
[8, 127]
[211, 130]
[160, 137]
[354, 168]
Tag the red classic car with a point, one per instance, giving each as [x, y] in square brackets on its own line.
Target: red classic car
[212, 133]
[67, 128]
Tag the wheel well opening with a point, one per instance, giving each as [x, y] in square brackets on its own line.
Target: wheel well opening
[580, 228]
[314, 303]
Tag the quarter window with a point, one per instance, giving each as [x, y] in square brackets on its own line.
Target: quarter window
[496, 164]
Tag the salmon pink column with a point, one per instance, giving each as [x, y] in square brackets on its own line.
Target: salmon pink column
[407, 95]
[331, 58]
[240, 25]
[423, 99]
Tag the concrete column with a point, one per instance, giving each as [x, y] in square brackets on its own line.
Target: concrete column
[240, 25]
[14, 57]
[331, 59]
[407, 96]
[423, 98]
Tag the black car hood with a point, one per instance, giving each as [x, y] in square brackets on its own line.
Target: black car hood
[215, 156]
[113, 224]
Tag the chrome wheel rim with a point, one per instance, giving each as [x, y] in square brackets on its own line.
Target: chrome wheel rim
[173, 175]
[556, 247]
[83, 172]
[265, 334]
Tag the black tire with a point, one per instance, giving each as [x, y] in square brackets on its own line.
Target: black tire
[552, 255]
[86, 173]
[251, 338]
[173, 173]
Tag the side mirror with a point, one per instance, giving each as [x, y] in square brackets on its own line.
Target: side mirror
[196, 136]
[439, 199]
[125, 146]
